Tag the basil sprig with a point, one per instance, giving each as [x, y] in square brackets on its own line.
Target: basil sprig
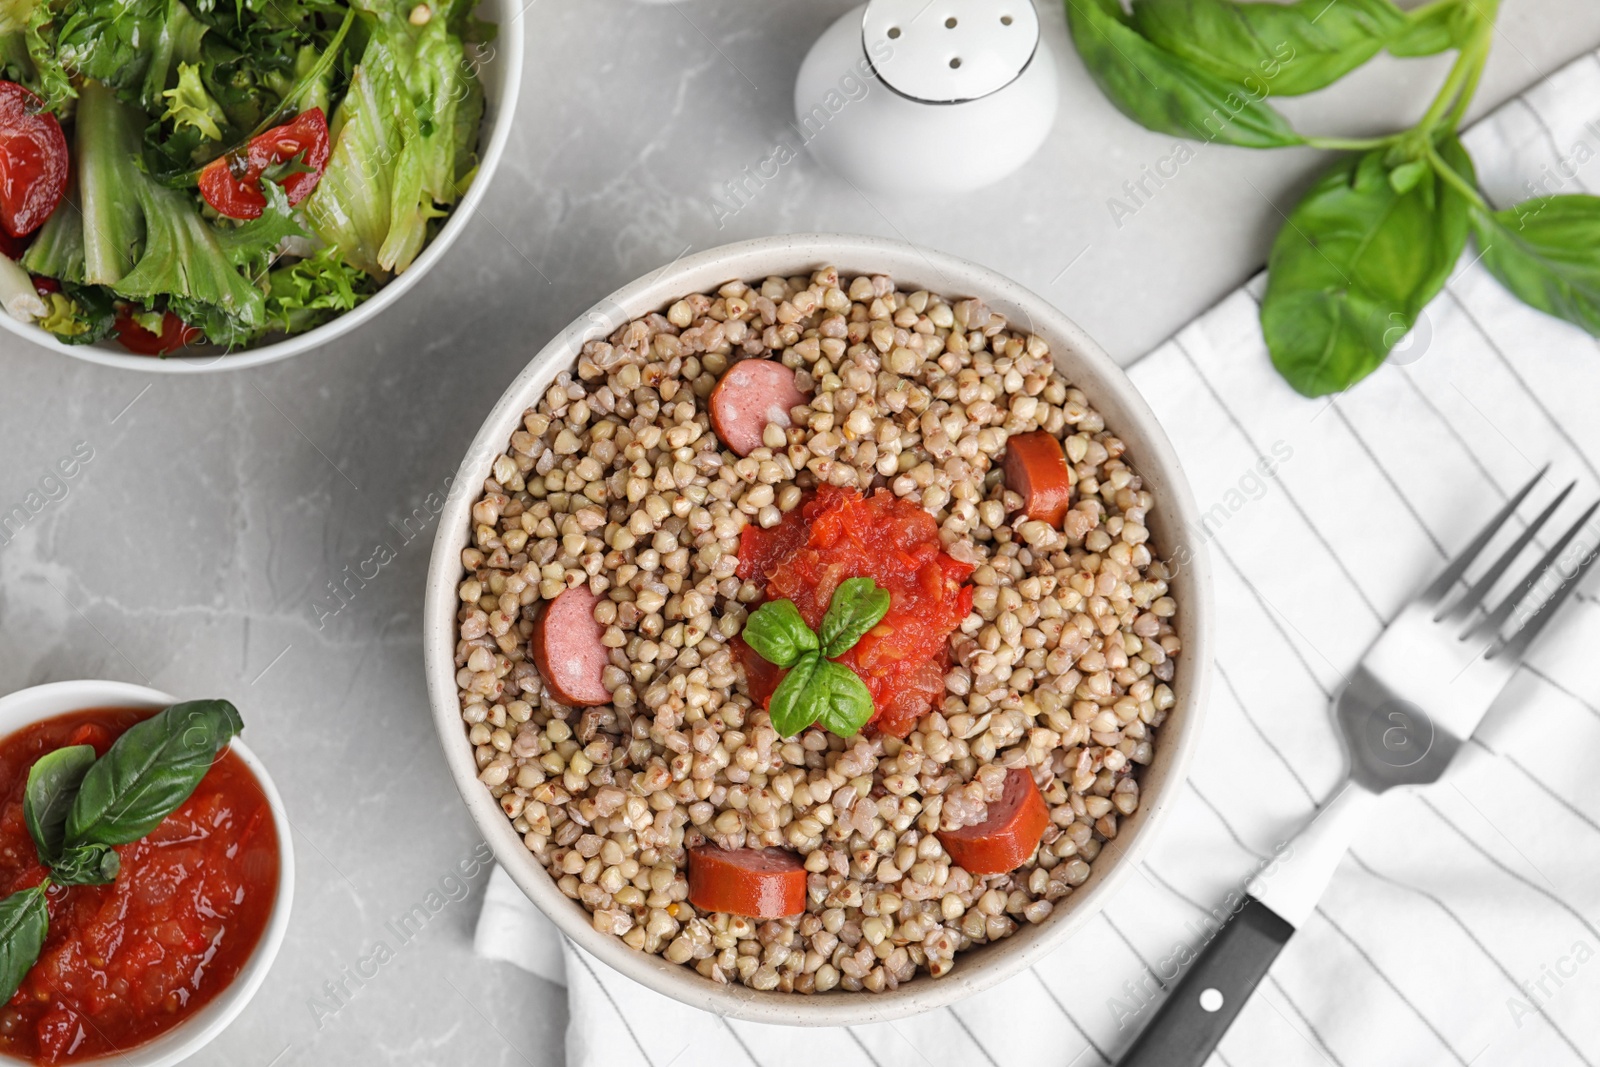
[149, 771]
[816, 689]
[77, 808]
[1374, 240]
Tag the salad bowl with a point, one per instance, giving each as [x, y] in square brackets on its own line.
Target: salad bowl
[498, 66]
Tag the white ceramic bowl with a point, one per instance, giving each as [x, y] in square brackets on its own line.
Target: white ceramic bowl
[28, 706]
[501, 74]
[1174, 519]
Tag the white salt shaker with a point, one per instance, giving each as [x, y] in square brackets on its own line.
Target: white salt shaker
[927, 96]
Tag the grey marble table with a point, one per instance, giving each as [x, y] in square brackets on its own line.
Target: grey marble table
[195, 549]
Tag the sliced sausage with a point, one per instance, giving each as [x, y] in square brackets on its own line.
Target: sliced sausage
[1036, 470]
[762, 883]
[1004, 841]
[752, 393]
[567, 649]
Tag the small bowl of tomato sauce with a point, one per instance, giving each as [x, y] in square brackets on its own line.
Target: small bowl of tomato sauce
[151, 967]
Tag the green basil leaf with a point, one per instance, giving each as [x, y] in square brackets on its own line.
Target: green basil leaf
[1271, 49]
[1355, 264]
[1433, 28]
[792, 706]
[845, 704]
[778, 634]
[24, 921]
[150, 770]
[1164, 92]
[52, 787]
[857, 606]
[86, 865]
[1547, 253]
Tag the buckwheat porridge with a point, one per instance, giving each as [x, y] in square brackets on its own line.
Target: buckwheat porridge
[810, 633]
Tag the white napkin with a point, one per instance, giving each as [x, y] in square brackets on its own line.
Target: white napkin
[1465, 926]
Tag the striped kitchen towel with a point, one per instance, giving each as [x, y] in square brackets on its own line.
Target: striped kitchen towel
[1465, 926]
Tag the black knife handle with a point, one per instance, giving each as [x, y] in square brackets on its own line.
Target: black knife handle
[1189, 1024]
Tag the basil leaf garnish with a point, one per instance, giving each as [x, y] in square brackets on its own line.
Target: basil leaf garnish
[816, 689]
[1354, 266]
[793, 705]
[1547, 252]
[1279, 49]
[857, 606]
[842, 697]
[86, 865]
[150, 770]
[778, 634]
[23, 923]
[1164, 92]
[52, 786]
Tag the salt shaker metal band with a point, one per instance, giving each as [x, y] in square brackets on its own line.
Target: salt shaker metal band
[913, 96]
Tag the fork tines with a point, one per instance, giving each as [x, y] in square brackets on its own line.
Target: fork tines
[1489, 625]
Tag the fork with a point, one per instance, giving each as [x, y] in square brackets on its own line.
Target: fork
[1403, 714]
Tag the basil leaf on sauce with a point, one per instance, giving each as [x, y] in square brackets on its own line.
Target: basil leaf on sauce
[150, 770]
[816, 689]
[857, 606]
[841, 697]
[778, 634]
[52, 786]
[23, 924]
[793, 707]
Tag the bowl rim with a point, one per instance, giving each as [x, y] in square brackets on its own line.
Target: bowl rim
[45, 701]
[508, 62]
[1178, 526]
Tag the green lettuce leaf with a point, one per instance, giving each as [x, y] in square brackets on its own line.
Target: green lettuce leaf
[57, 249]
[397, 145]
[253, 245]
[15, 15]
[313, 290]
[146, 241]
[28, 53]
[188, 104]
[80, 314]
[116, 43]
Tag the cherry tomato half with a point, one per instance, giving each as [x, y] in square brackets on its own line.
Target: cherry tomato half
[33, 161]
[232, 183]
[175, 334]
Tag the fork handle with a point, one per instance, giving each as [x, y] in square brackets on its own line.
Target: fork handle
[1199, 1009]
[1197, 1012]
